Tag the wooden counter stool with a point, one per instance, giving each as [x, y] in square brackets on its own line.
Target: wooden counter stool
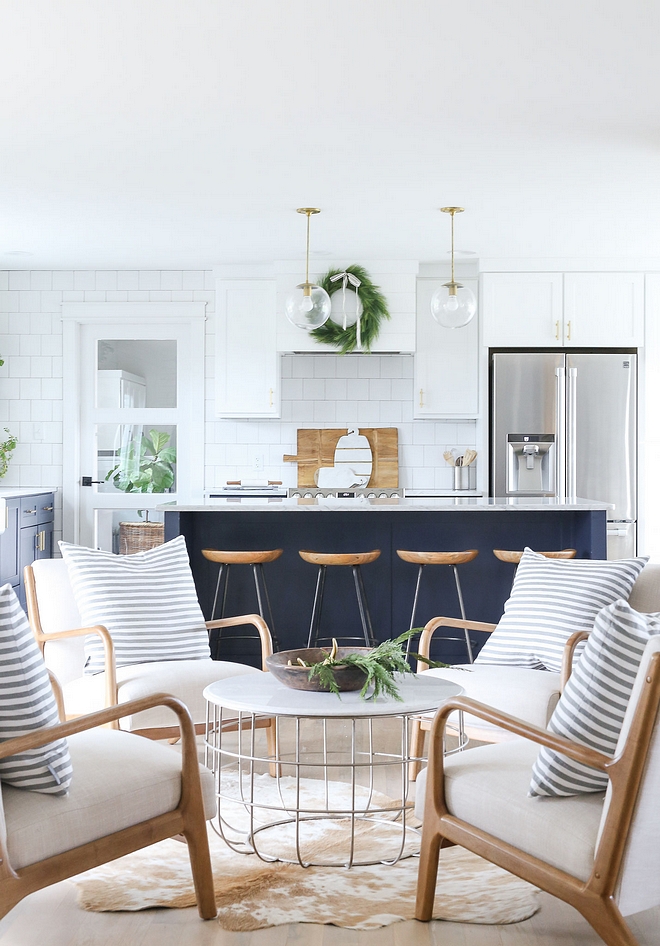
[453, 559]
[347, 559]
[256, 560]
[513, 558]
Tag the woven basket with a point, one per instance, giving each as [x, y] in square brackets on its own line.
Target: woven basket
[140, 536]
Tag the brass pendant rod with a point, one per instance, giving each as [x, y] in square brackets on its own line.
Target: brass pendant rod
[307, 253]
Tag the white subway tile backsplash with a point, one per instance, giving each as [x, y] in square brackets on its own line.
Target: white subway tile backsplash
[313, 389]
[105, 279]
[171, 279]
[19, 367]
[30, 389]
[44, 324]
[84, 279]
[51, 388]
[357, 389]
[324, 412]
[30, 301]
[335, 389]
[4, 280]
[19, 279]
[128, 279]
[62, 279]
[41, 279]
[30, 344]
[193, 279]
[380, 389]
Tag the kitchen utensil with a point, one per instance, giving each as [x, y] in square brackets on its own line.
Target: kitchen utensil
[469, 457]
[449, 457]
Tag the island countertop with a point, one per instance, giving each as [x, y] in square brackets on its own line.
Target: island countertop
[281, 504]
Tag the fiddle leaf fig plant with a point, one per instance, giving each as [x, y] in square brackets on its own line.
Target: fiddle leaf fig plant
[7, 447]
[145, 465]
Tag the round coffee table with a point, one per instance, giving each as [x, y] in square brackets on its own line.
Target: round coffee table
[317, 797]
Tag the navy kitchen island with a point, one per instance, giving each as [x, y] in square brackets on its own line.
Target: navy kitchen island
[361, 525]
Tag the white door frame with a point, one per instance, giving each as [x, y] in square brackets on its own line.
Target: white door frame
[77, 314]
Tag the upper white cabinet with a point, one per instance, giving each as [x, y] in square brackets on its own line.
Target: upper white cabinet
[522, 309]
[247, 365]
[446, 361]
[604, 309]
[581, 310]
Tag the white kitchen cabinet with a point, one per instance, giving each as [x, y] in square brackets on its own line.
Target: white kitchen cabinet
[446, 361]
[572, 310]
[247, 365]
[522, 309]
[604, 310]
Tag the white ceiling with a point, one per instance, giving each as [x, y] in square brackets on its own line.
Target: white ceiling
[162, 134]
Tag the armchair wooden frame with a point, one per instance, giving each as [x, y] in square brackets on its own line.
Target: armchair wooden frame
[421, 725]
[111, 688]
[187, 818]
[593, 898]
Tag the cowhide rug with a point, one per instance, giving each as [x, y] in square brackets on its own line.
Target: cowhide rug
[253, 895]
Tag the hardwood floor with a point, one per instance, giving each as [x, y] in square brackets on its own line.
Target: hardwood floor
[51, 917]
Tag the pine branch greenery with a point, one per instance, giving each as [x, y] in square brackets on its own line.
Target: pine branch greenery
[380, 666]
[374, 310]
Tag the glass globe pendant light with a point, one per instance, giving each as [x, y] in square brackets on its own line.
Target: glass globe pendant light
[308, 306]
[453, 305]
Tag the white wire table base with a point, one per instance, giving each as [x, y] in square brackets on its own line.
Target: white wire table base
[314, 801]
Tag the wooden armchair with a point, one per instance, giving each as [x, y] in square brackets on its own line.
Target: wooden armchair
[599, 852]
[125, 794]
[517, 691]
[56, 624]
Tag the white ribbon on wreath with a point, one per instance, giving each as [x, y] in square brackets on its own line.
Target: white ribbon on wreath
[356, 283]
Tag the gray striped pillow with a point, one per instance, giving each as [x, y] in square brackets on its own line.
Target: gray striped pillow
[27, 703]
[550, 599]
[594, 701]
[147, 601]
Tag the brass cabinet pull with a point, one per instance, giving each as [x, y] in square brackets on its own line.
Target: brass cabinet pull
[6, 517]
[270, 397]
[557, 330]
[40, 541]
[568, 336]
[421, 397]
[47, 508]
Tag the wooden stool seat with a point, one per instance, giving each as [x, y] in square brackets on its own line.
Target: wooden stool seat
[422, 559]
[341, 558]
[241, 558]
[438, 558]
[255, 559]
[514, 557]
[352, 560]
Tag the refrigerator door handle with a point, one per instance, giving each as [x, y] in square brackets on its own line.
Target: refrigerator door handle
[560, 446]
[571, 434]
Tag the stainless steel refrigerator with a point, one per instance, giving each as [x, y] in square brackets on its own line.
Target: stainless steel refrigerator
[565, 424]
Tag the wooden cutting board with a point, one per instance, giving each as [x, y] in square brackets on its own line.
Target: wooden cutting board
[316, 448]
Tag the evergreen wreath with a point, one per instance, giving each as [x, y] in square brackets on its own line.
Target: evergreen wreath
[374, 310]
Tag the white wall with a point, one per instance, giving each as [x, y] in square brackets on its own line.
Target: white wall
[318, 390]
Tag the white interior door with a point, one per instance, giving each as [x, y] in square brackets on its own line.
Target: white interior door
[134, 433]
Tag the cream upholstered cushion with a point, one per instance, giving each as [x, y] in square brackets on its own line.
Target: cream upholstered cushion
[487, 787]
[120, 780]
[528, 694]
[185, 679]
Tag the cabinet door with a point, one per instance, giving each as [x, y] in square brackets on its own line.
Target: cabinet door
[604, 309]
[521, 309]
[246, 362]
[9, 546]
[446, 361]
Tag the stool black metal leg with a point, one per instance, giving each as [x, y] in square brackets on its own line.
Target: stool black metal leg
[224, 593]
[217, 589]
[414, 607]
[271, 623]
[462, 607]
[365, 617]
[315, 622]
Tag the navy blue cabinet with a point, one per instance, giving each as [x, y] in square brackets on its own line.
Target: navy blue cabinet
[28, 536]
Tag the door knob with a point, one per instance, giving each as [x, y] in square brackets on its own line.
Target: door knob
[87, 481]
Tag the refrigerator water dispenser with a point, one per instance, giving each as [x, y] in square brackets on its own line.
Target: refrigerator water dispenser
[530, 462]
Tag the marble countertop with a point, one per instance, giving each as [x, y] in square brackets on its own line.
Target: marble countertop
[362, 504]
